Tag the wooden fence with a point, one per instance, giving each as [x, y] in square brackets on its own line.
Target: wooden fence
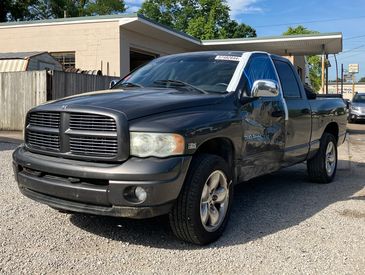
[20, 91]
[67, 84]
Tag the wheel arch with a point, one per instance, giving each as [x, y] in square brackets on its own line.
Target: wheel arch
[220, 146]
[332, 128]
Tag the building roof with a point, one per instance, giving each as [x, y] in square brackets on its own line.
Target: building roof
[329, 43]
[19, 55]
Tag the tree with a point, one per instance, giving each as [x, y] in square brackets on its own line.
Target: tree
[362, 79]
[11, 10]
[14, 10]
[314, 61]
[203, 19]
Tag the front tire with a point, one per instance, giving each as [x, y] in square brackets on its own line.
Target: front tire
[322, 167]
[202, 209]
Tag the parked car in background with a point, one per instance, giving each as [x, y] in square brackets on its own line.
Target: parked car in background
[175, 136]
[357, 108]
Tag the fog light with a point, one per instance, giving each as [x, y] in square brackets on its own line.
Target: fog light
[135, 194]
[140, 194]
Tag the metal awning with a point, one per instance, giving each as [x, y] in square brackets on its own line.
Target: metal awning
[328, 43]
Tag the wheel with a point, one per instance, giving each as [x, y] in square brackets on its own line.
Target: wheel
[322, 167]
[202, 209]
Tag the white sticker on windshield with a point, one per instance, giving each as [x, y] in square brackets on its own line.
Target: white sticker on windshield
[228, 58]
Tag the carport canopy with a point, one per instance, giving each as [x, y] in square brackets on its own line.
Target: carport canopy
[308, 44]
[324, 43]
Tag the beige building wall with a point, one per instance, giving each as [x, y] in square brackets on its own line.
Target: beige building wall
[133, 40]
[347, 89]
[96, 44]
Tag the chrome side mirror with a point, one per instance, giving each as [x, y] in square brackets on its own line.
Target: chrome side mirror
[112, 83]
[264, 87]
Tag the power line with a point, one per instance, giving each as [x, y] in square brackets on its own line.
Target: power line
[348, 56]
[353, 37]
[353, 49]
[312, 21]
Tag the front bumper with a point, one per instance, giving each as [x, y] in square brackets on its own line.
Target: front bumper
[98, 188]
[356, 115]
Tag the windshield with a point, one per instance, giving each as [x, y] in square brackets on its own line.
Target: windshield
[199, 73]
[359, 98]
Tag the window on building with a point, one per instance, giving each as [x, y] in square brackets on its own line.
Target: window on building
[67, 59]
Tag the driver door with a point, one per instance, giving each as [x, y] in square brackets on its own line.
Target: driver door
[263, 122]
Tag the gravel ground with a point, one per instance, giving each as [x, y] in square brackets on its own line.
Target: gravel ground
[280, 224]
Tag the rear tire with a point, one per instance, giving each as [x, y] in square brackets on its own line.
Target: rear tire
[202, 209]
[322, 167]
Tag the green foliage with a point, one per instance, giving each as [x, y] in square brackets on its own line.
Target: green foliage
[314, 61]
[15, 9]
[362, 79]
[203, 19]
[298, 30]
[11, 10]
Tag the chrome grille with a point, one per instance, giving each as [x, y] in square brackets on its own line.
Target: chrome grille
[95, 146]
[44, 119]
[78, 135]
[43, 141]
[92, 122]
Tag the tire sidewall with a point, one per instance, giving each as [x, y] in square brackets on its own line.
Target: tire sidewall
[203, 235]
[327, 138]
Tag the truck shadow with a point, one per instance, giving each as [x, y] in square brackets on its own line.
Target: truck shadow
[262, 207]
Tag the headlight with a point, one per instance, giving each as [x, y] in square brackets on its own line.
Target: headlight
[156, 144]
[355, 108]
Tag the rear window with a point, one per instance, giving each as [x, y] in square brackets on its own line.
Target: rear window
[288, 80]
[359, 98]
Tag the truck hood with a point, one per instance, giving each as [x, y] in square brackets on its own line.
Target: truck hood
[136, 103]
[358, 104]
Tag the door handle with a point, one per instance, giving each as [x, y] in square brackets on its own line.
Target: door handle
[277, 114]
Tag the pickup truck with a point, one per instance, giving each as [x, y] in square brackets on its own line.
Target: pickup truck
[174, 137]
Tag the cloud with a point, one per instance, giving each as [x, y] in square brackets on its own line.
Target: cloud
[239, 7]
[132, 9]
[133, 5]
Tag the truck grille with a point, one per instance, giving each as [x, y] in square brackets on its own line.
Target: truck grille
[91, 122]
[44, 141]
[45, 119]
[78, 135]
[94, 146]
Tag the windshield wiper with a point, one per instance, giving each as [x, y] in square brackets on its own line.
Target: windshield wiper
[130, 84]
[178, 83]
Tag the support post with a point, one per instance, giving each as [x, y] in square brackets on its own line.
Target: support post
[326, 74]
[341, 79]
[322, 75]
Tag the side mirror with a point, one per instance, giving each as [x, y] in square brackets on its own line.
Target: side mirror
[112, 83]
[264, 87]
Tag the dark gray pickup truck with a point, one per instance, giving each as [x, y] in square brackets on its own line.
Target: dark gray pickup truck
[175, 136]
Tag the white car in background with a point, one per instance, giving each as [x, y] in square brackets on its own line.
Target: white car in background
[357, 108]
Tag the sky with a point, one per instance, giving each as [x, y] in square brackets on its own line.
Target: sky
[273, 17]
